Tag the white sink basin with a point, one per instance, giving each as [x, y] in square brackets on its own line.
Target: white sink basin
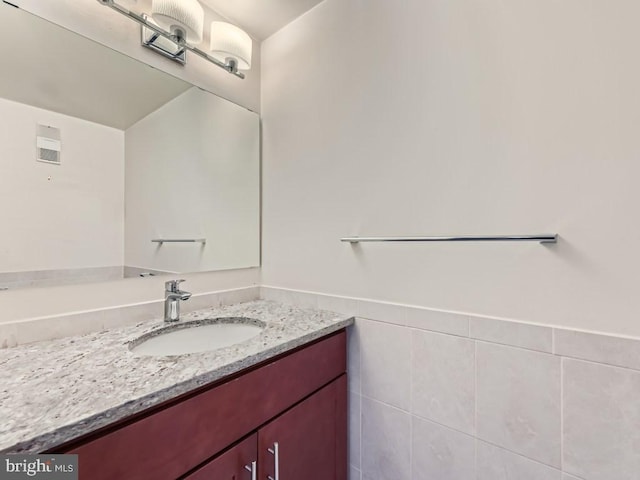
[197, 336]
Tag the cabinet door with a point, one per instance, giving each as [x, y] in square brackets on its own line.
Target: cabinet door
[231, 464]
[309, 441]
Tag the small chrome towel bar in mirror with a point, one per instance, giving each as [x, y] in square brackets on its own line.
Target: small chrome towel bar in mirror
[179, 240]
[543, 238]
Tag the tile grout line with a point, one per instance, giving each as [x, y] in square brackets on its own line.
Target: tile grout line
[475, 388]
[562, 414]
[438, 332]
[475, 404]
[410, 446]
[602, 364]
[360, 443]
[411, 376]
[533, 460]
[475, 456]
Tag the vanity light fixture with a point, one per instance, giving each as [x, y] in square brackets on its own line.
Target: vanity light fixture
[227, 38]
[175, 26]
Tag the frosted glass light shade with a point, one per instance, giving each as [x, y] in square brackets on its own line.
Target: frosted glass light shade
[229, 41]
[180, 15]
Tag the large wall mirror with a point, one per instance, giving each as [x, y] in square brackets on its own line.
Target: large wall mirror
[111, 168]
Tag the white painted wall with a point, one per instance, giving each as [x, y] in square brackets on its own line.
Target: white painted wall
[63, 216]
[94, 21]
[193, 171]
[457, 117]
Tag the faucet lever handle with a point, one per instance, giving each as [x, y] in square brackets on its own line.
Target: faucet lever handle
[172, 285]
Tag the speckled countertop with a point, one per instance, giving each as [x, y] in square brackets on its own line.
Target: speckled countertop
[52, 392]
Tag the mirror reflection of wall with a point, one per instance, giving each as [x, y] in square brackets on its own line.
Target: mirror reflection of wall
[192, 173]
[143, 156]
[60, 222]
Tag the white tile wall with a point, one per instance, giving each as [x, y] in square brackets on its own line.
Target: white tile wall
[623, 352]
[601, 421]
[386, 442]
[354, 430]
[518, 403]
[533, 337]
[441, 453]
[353, 359]
[342, 305]
[386, 312]
[436, 321]
[534, 409]
[385, 363]
[445, 394]
[566, 476]
[494, 463]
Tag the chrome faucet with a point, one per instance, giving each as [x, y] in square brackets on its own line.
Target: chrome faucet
[172, 297]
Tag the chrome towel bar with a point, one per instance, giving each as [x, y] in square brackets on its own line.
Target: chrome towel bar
[543, 238]
[179, 240]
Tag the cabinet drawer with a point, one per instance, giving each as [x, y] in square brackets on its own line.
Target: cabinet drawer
[170, 442]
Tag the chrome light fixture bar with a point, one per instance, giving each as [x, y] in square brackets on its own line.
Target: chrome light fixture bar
[159, 44]
[231, 64]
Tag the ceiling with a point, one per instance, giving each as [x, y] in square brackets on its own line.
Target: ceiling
[58, 70]
[261, 18]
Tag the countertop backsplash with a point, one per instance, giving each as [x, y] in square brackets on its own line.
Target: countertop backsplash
[79, 323]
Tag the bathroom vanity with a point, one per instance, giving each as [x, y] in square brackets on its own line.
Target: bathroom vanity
[272, 407]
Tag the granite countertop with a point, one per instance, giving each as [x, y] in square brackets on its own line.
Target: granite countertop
[54, 391]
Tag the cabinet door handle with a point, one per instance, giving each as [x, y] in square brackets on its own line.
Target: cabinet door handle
[253, 469]
[275, 451]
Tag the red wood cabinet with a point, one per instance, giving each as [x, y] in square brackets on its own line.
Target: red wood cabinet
[297, 400]
[302, 443]
[305, 442]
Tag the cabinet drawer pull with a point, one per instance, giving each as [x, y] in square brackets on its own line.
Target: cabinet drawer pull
[275, 451]
[253, 469]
